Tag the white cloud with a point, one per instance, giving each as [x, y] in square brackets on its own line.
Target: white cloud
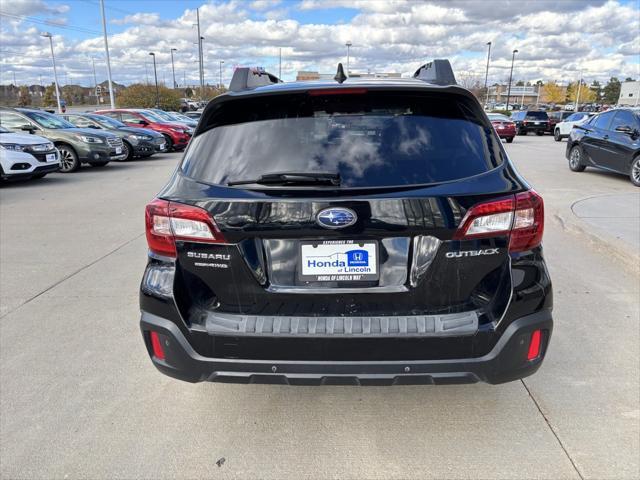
[138, 19]
[556, 39]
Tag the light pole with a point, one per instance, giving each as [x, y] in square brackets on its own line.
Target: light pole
[578, 93]
[221, 62]
[95, 81]
[155, 74]
[202, 83]
[348, 45]
[106, 49]
[513, 56]
[486, 77]
[55, 72]
[173, 69]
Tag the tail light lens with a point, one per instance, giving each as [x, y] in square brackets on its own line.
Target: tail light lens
[167, 222]
[156, 346]
[521, 217]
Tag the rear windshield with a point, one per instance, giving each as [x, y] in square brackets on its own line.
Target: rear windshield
[537, 115]
[371, 140]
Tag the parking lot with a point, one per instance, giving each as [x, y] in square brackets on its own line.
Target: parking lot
[79, 397]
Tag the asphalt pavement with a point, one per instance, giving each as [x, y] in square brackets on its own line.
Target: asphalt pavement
[80, 399]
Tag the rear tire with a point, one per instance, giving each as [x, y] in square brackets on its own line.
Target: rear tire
[69, 161]
[510, 140]
[635, 171]
[522, 132]
[540, 133]
[98, 164]
[575, 159]
[556, 135]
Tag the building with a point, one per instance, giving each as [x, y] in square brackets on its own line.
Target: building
[629, 94]
[521, 95]
[304, 75]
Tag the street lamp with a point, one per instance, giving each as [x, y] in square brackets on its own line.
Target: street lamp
[221, 62]
[155, 74]
[486, 77]
[173, 69]
[55, 72]
[201, 67]
[348, 45]
[513, 56]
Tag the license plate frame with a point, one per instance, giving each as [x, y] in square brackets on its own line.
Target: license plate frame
[50, 157]
[348, 261]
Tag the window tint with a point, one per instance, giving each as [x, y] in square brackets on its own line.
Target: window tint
[624, 118]
[12, 121]
[107, 122]
[370, 140]
[602, 120]
[130, 118]
[80, 121]
[537, 116]
[48, 120]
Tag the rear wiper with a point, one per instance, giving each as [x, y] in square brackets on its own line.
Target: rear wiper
[292, 178]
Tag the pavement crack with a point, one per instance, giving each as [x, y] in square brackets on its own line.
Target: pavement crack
[564, 449]
[72, 274]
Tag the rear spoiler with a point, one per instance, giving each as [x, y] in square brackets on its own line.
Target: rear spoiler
[438, 72]
[245, 78]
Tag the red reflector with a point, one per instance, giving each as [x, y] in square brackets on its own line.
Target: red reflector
[158, 351]
[534, 345]
[338, 91]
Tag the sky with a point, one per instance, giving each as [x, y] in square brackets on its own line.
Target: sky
[556, 39]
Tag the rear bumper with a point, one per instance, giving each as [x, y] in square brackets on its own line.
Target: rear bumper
[507, 361]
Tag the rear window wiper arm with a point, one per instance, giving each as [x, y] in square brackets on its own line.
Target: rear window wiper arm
[292, 178]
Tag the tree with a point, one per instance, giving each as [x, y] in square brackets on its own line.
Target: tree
[144, 96]
[595, 88]
[629, 79]
[586, 94]
[24, 97]
[519, 83]
[49, 98]
[611, 91]
[552, 93]
[188, 92]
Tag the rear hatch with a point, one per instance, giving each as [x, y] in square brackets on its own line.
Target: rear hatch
[346, 213]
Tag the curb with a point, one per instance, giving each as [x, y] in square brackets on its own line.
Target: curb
[623, 252]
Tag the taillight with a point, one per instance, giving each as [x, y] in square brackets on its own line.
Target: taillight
[520, 216]
[167, 222]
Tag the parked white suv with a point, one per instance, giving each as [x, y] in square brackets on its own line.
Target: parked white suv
[26, 156]
[562, 129]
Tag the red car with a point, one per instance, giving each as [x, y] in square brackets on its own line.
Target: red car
[176, 134]
[504, 126]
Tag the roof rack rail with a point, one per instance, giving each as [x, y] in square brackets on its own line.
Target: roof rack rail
[438, 72]
[246, 78]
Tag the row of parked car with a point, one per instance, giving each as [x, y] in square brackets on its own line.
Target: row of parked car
[608, 140]
[34, 142]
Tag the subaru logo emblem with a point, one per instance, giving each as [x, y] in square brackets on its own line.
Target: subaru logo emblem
[336, 218]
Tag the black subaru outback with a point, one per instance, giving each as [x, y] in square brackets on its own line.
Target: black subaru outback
[361, 233]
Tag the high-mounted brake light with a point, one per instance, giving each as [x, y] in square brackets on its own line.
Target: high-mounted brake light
[337, 91]
[520, 217]
[167, 222]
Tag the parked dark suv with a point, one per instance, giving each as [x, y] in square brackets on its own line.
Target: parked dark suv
[360, 233]
[531, 121]
[609, 141]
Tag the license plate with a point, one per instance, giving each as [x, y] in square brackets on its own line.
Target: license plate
[51, 157]
[118, 150]
[162, 145]
[537, 123]
[338, 261]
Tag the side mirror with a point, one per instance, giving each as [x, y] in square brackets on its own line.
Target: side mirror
[93, 126]
[144, 123]
[28, 128]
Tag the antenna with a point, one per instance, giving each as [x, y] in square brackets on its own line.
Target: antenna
[340, 76]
